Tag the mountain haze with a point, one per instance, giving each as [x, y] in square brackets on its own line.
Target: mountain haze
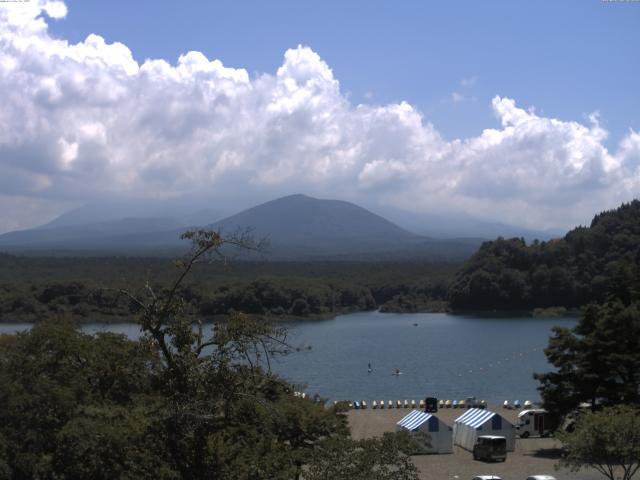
[296, 226]
[299, 218]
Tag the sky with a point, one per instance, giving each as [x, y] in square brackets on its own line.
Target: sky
[520, 112]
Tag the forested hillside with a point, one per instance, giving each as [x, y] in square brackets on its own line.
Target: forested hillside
[34, 288]
[587, 265]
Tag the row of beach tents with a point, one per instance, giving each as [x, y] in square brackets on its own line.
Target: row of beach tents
[439, 437]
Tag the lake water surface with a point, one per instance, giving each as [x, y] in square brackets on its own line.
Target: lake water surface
[445, 356]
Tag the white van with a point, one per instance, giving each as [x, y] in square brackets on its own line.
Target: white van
[532, 422]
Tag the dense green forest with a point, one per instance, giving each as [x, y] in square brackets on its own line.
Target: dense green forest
[175, 404]
[597, 362]
[587, 265]
[32, 288]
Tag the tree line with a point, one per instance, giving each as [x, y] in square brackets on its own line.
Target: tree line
[586, 265]
[88, 289]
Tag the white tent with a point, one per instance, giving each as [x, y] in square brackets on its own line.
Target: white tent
[475, 422]
[440, 435]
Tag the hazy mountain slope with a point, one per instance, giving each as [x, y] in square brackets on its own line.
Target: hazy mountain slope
[299, 218]
[302, 227]
[298, 227]
[460, 225]
[89, 235]
[180, 213]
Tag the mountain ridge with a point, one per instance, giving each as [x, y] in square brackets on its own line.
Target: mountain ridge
[298, 227]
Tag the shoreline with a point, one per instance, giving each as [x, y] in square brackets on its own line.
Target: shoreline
[552, 312]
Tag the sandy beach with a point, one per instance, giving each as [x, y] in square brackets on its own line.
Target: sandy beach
[532, 456]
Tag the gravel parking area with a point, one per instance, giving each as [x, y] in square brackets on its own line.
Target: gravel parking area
[532, 455]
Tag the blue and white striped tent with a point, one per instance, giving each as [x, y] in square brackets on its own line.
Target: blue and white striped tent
[440, 434]
[475, 422]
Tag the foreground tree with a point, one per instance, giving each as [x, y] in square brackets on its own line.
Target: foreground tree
[225, 414]
[597, 362]
[370, 459]
[608, 441]
[180, 403]
[76, 405]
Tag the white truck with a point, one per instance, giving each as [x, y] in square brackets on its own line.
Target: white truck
[532, 422]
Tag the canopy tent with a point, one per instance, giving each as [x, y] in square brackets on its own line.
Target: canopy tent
[440, 435]
[475, 422]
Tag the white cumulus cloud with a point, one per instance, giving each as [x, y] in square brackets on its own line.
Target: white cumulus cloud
[84, 120]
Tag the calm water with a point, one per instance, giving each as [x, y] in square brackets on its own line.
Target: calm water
[444, 355]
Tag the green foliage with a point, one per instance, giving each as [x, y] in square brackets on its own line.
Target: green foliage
[49, 379]
[587, 265]
[5, 469]
[106, 442]
[598, 361]
[87, 288]
[608, 440]
[369, 459]
[183, 402]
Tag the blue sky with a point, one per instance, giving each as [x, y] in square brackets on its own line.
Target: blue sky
[566, 58]
[519, 112]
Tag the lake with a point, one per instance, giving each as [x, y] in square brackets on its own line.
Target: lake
[446, 356]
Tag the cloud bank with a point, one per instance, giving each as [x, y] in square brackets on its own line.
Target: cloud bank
[86, 120]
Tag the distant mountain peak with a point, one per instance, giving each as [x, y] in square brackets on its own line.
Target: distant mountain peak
[298, 226]
[295, 196]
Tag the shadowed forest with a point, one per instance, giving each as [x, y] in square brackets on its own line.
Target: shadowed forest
[88, 288]
[587, 265]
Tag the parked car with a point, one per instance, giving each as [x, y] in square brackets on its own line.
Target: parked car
[541, 477]
[490, 447]
[487, 477]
